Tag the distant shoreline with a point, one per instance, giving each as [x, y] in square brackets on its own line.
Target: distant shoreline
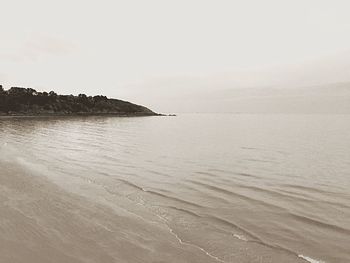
[83, 114]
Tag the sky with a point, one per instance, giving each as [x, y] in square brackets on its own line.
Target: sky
[159, 52]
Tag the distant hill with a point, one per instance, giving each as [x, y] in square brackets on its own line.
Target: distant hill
[331, 98]
[26, 101]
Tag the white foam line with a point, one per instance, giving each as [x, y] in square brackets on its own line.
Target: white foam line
[190, 244]
[174, 234]
[311, 260]
[240, 237]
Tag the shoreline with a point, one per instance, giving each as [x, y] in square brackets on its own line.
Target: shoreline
[141, 114]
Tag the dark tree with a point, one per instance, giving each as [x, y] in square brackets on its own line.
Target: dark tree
[22, 101]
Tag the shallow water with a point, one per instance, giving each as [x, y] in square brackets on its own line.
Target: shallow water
[191, 188]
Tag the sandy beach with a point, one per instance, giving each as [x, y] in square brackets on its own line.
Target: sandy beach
[42, 223]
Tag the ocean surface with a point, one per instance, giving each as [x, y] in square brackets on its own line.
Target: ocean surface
[192, 188]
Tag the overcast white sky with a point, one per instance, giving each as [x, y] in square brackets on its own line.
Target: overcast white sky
[134, 49]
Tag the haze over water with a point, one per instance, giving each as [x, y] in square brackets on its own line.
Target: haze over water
[192, 188]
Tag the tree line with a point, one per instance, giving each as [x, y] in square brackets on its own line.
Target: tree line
[18, 100]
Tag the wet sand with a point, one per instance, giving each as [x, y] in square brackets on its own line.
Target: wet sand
[42, 223]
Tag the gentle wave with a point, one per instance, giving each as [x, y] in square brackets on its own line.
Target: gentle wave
[256, 190]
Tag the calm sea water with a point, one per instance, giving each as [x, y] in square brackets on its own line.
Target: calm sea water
[191, 188]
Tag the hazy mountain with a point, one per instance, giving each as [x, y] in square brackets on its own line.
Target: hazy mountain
[321, 86]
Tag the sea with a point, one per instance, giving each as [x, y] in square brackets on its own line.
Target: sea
[191, 188]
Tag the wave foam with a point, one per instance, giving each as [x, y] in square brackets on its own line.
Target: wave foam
[311, 260]
[240, 237]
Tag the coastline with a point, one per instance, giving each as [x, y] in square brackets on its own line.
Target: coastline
[82, 114]
[51, 224]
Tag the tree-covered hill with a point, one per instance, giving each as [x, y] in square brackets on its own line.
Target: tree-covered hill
[27, 101]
